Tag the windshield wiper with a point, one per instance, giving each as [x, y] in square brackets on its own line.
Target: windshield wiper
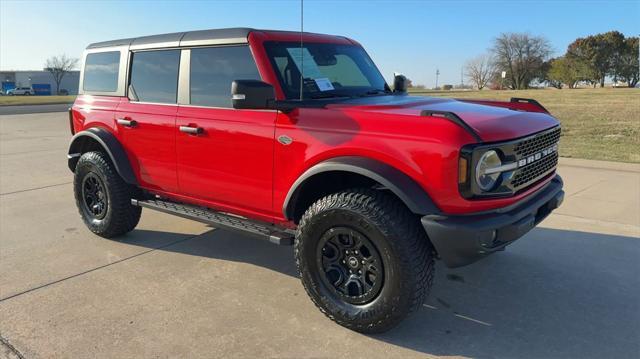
[374, 92]
[327, 95]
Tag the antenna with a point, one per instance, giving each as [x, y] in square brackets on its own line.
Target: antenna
[301, 49]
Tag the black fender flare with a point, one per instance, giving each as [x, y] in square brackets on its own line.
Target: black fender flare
[403, 186]
[111, 146]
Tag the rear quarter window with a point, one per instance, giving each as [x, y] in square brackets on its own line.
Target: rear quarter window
[101, 72]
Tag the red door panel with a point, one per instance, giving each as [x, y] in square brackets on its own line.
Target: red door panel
[230, 163]
[150, 142]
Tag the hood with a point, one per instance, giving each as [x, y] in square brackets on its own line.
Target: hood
[490, 122]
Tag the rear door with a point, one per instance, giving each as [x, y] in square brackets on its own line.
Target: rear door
[230, 163]
[147, 123]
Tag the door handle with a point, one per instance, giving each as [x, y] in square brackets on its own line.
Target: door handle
[192, 130]
[127, 122]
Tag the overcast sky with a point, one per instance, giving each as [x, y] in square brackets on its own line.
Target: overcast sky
[412, 37]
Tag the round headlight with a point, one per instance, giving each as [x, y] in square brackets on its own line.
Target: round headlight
[489, 159]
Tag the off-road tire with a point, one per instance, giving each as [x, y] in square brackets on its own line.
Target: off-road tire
[120, 216]
[406, 253]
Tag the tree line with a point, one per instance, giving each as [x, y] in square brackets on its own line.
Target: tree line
[518, 60]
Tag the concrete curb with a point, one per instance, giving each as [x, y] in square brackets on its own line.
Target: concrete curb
[605, 165]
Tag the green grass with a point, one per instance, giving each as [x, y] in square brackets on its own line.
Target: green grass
[34, 100]
[597, 124]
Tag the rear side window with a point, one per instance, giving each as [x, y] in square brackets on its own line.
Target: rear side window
[101, 72]
[214, 68]
[154, 75]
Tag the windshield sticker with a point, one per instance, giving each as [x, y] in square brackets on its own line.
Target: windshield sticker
[304, 59]
[324, 84]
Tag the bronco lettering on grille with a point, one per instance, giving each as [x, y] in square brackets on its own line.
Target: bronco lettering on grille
[537, 156]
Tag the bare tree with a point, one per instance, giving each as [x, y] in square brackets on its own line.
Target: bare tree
[480, 70]
[59, 66]
[521, 56]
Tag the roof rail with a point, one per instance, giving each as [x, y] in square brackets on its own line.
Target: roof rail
[188, 38]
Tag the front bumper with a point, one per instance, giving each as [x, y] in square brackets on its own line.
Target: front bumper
[464, 239]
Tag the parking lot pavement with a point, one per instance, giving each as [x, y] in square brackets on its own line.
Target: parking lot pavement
[175, 288]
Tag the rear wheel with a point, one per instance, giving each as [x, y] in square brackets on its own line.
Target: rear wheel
[103, 198]
[364, 259]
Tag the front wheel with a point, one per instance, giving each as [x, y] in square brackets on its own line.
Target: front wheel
[103, 198]
[364, 259]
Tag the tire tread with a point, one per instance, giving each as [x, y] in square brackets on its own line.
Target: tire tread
[124, 216]
[394, 219]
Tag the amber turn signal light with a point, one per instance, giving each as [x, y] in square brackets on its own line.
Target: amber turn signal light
[462, 170]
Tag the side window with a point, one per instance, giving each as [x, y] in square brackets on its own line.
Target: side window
[214, 68]
[154, 75]
[101, 72]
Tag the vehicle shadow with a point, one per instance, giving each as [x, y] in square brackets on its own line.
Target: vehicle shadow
[554, 294]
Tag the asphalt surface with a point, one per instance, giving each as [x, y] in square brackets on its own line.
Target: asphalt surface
[176, 288]
[27, 109]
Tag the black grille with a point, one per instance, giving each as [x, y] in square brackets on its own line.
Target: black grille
[534, 171]
[529, 174]
[535, 144]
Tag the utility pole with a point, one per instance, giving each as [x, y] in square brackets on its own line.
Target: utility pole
[437, 74]
[461, 77]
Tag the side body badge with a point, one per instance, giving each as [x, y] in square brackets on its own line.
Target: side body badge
[285, 140]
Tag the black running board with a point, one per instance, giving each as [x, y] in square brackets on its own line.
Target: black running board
[272, 233]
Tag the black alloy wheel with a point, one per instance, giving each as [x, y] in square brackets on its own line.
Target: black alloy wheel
[94, 196]
[351, 265]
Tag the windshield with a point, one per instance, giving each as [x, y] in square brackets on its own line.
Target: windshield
[330, 70]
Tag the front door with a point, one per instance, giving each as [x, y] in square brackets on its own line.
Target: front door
[147, 120]
[224, 156]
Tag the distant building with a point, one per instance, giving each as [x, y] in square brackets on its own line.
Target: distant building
[41, 81]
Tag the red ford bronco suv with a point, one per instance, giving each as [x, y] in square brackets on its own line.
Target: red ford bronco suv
[298, 139]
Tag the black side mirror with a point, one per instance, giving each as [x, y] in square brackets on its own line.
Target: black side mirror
[252, 95]
[399, 83]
